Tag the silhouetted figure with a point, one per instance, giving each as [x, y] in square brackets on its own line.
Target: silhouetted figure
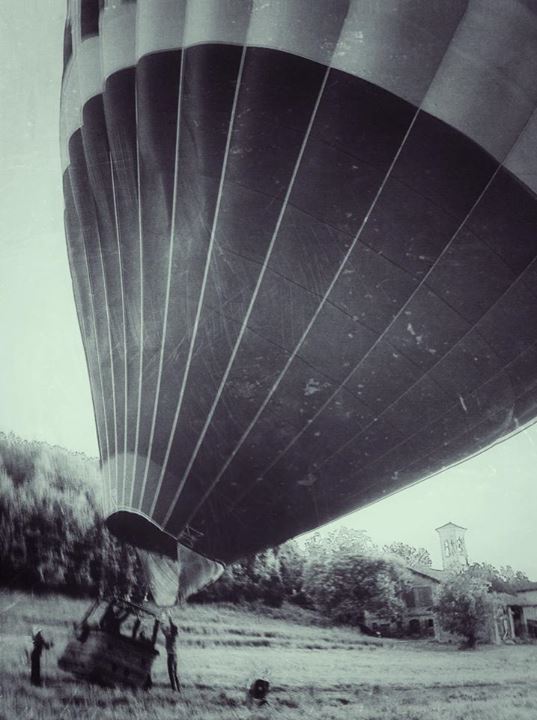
[40, 644]
[112, 619]
[154, 634]
[170, 635]
[107, 619]
[82, 631]
[135, 628]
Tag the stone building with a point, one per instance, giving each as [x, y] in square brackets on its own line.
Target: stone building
[419, 619]
[524, 612]
[512, 616]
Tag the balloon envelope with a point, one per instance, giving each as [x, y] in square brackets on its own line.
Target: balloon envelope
[302, 236]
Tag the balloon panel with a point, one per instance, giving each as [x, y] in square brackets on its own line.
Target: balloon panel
[173, 580]
[303, 254]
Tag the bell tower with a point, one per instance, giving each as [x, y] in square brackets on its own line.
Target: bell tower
[453, 546]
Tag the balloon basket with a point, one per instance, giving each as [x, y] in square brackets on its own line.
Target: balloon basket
[109, 658]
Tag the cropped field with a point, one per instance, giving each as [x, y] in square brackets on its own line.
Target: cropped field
[314, 671]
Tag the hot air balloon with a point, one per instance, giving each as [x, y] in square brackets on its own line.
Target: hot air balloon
[302, 237]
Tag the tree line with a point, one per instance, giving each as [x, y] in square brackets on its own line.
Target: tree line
[53, 538]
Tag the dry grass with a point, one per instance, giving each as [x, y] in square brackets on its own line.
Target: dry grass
[314, 671]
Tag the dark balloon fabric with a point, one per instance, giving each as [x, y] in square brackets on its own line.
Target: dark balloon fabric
[302, 237]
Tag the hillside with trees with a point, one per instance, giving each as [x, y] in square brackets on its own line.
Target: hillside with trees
[52, 535]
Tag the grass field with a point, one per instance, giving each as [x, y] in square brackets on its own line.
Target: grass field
[314, 671]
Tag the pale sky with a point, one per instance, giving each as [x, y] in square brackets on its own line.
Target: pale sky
[44, 390]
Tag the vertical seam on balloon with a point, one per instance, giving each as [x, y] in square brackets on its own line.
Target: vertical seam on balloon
[85, 331]
[140, 247]
[101, 59]
[112, 368]
[168, 280]
[124, 318]
[109, 486]
[203, 284]
[254, 294]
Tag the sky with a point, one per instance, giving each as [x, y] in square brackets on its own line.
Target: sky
[44, 389]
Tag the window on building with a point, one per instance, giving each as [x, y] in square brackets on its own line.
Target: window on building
[89, 18]
[424, 596]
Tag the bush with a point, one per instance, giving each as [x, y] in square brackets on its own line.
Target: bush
[464, 604]
[346, 577]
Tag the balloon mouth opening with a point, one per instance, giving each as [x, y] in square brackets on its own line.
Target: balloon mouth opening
[138, 530]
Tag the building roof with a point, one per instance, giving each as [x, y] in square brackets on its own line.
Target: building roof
[450, 524]
[507, 598]
[528, 587]
[437, 575]
[502, 597]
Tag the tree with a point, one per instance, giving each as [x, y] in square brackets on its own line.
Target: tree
[504, 580]
[255, 577]
[463, 605]
[264, 580]
[410, 555]
[346, 577]
[292, 561]
[515, 578]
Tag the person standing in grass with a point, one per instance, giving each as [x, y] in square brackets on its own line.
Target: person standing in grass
[170, 634]
[40, 644]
